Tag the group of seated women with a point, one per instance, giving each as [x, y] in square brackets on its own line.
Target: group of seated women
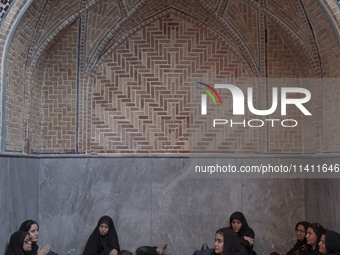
[102, 241]
[25, 241]
[313, 239]
[237, 239]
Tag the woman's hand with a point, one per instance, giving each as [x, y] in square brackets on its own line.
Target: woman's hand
[250, 240]
[45, 250]
[113, 252]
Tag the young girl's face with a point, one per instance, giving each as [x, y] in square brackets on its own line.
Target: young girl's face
[103, 229]
[219, 243]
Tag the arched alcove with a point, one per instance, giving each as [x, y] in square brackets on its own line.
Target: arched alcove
[96, 118]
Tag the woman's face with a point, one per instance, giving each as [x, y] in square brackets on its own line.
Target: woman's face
[300, 233]
[311, 237]
[27, 246]
[322, 245]
[236, 225]
[103, 229]
[218, 243]
[34, 233]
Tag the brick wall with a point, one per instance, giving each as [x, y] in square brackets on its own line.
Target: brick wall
[99, 77]
[328, 45]
[141, 96]
[16, 81]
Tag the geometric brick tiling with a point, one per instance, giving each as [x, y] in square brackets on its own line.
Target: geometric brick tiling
[100, 19]
[142, 91]
[290, 12]
[244, 18]
[59, 95]
[283, 63]
[53, 13]
[99, 76]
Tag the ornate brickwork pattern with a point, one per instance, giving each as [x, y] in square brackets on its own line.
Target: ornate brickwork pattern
[5, 29]
[100, 19]
[293, 15]
[142, 93]
[59, 95]
[282, 64]
[302, 42]
[244, 20]
[33, 137]
[200, 11]
[330, 59]
[286, 61]
[16, 83]
[51, 16]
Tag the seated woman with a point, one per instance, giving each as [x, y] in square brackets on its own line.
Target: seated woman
[226, 242]
[300, 246]
[330, 243]
[246, 235]
[32, 228]
[104, 239]
[313, 236]
[19, 244]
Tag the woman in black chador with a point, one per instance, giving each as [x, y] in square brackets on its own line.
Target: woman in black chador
[104, 239]
[313, 236]
[301, 244]
[300, 247]
[19, 244]
[330, 243]
[246, 235]
[32, 228]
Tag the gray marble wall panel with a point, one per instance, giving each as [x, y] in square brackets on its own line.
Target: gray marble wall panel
[75, 193]
[154, 200]
[322, 202]
[19, 180]
[274, 207]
